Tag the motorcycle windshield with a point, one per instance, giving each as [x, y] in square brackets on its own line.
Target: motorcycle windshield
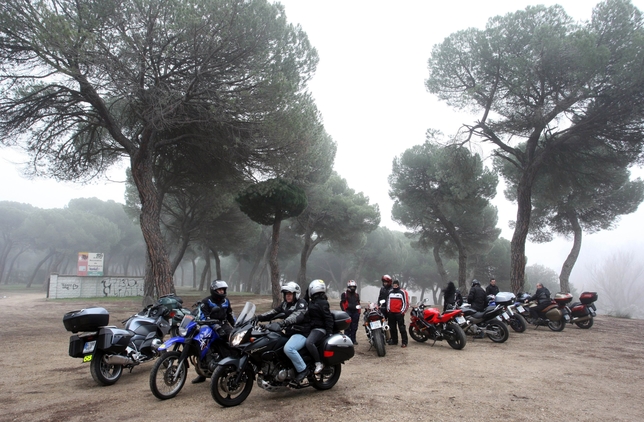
[246, 314]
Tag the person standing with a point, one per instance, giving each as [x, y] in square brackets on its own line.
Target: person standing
[477, 298]
[350, 303]
[492, 288]
[384, 294]
[397, 304]
[449, 297]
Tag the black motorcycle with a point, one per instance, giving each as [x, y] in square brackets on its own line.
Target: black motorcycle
[486, 323]
[109, 349]
[260, 352]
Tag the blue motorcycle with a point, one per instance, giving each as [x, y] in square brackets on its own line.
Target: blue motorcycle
[201, 342]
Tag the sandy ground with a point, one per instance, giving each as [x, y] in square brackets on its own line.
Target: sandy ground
[583, 375]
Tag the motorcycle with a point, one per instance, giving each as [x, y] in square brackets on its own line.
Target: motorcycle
[200, 341]
[174, 305]
[488, 322]
[260, 352]
[109, 349]
[428, 323]
[554, 316]
[512, 315]
[582, 313]
[377, 328]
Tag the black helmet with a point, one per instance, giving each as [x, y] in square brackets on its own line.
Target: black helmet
[475, 282]
[216, 285]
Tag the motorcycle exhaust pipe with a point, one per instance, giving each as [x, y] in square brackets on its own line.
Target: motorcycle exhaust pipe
[118, 360]
[580, 319]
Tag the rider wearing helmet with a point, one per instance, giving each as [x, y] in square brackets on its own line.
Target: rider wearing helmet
[350, 303]
[217, 306]
[293, 311]
[477, 297]
[320, 319]
[384, 293]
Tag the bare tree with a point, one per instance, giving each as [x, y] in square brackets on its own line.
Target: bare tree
[619, 281]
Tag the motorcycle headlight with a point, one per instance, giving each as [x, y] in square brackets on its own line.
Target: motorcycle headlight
[237, 338]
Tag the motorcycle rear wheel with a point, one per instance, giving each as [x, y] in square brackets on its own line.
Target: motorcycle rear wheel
[455, 336]
[518, 323]
[557, 325]
[102, 372]
[585, 324]
[379, 342]
[327, 378]
[162, 384]
[223, 388]
[417, 334]
[501, 332]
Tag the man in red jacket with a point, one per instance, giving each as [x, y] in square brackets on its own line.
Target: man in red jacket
[397, 304]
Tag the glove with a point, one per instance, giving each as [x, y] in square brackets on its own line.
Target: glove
[274, 326]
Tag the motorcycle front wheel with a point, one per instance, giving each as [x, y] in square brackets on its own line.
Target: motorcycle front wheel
[163, 383]
[557, 325]
[500, 332]
[518, 323]
[327, 378]
[455, 336]
[417, 334]
[585, 324]
[379, 342]
[224, 388]
[102, 372]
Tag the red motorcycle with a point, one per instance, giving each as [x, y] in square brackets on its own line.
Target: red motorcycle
[429, 323]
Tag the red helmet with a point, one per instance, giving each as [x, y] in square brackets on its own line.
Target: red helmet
[386, 279]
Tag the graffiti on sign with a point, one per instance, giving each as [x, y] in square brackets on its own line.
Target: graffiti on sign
[122, 287]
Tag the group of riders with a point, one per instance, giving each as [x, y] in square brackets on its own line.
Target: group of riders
[308, 320]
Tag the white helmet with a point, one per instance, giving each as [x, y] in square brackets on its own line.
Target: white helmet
[316, 286]
[292, 287]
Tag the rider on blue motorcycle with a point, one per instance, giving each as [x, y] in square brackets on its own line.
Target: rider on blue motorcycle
[217, 306]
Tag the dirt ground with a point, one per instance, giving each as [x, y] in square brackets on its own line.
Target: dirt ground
[584, 375]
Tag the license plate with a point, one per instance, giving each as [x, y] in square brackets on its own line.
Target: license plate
[89, 347]
[375, 324]
[567, 318]
[460, 319]
[592, 312]
[505, 315]
[520, 309]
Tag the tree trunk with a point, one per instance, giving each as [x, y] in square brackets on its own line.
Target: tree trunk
[307, 249]
[194, 272]
[33, 275]
[4, 254]
[185, 241]
[159, 270]
[273, 261]
[569, 263]
[217, 263]
[517, 246]
[13, 261]
[206, 268]
[439, 262]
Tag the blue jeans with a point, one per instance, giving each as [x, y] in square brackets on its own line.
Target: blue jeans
[295, 343]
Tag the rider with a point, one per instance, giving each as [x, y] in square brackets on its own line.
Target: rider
[217, 306]
[350, 303]
[542, 296]
[477, 298]
[449, 297]
[294, 311]
[384, 293]
[397, 304]
[320, 319]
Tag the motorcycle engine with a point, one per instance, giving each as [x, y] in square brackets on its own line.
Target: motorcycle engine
[272, 377]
